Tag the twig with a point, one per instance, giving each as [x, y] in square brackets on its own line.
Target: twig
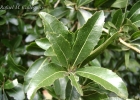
[105, 30]
[86, 8]
[56, 4]
[129, 45]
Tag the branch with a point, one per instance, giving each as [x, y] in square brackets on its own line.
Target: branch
[129, 45]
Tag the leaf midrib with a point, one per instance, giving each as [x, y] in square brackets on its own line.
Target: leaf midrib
[84, 44]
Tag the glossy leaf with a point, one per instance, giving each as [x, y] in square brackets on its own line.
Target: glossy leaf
[120, 3]
[10, 84]
[59, 12]
[134, 14]
[43, 43]
[51, 24]
[135, 35]
[98, 3]
[83, 16]
[35, 67]
[96, 96]
[34, 2]
[49, 52]
[99, 49]
[106, 78]
[74, 82]
[83, 2]
[17, 68]
[60, 87]
[61, 48]
[17, 92]
[44, 77]
[71, 92]
[87, 38]
[33, 49]
[117, 18]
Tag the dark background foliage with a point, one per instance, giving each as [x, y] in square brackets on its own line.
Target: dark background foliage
[21, 25]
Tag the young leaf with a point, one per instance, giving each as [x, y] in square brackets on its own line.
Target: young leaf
[43, 43]
[105, 78]
[99, 49]
[87, 38]
[51, 24]
[36, 66]
[17, 68]
[74, 82]
[44, 77]
[117, 18]
[61, 47]
[120, 3]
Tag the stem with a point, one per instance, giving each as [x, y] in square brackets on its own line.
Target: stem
[129, 45]
[56, 4]
[86, 8]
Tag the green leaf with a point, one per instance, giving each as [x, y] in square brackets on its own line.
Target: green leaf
[6, 42]
[60, 87]
[44, 77]
[34, 68]
[106, 78]
[127, 58]
[99, 49]
[61, 47]
[135, 35]
[98, 3]
[51, 24]
[74, 82]
[117, 18]
[43, 43]
[120, 4]
[16, 41]
[83, 16]
[4, 96]
[59, 12]
[71, 92]
[83, 2]
[33, 49]
[17, 68]
[17, 92]
[2, 20]
[49, 52]
[87, 38]
[2, 12]
[134, 14]
[1, 78]
[10, 84]
[96, 96]
[34, 2]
